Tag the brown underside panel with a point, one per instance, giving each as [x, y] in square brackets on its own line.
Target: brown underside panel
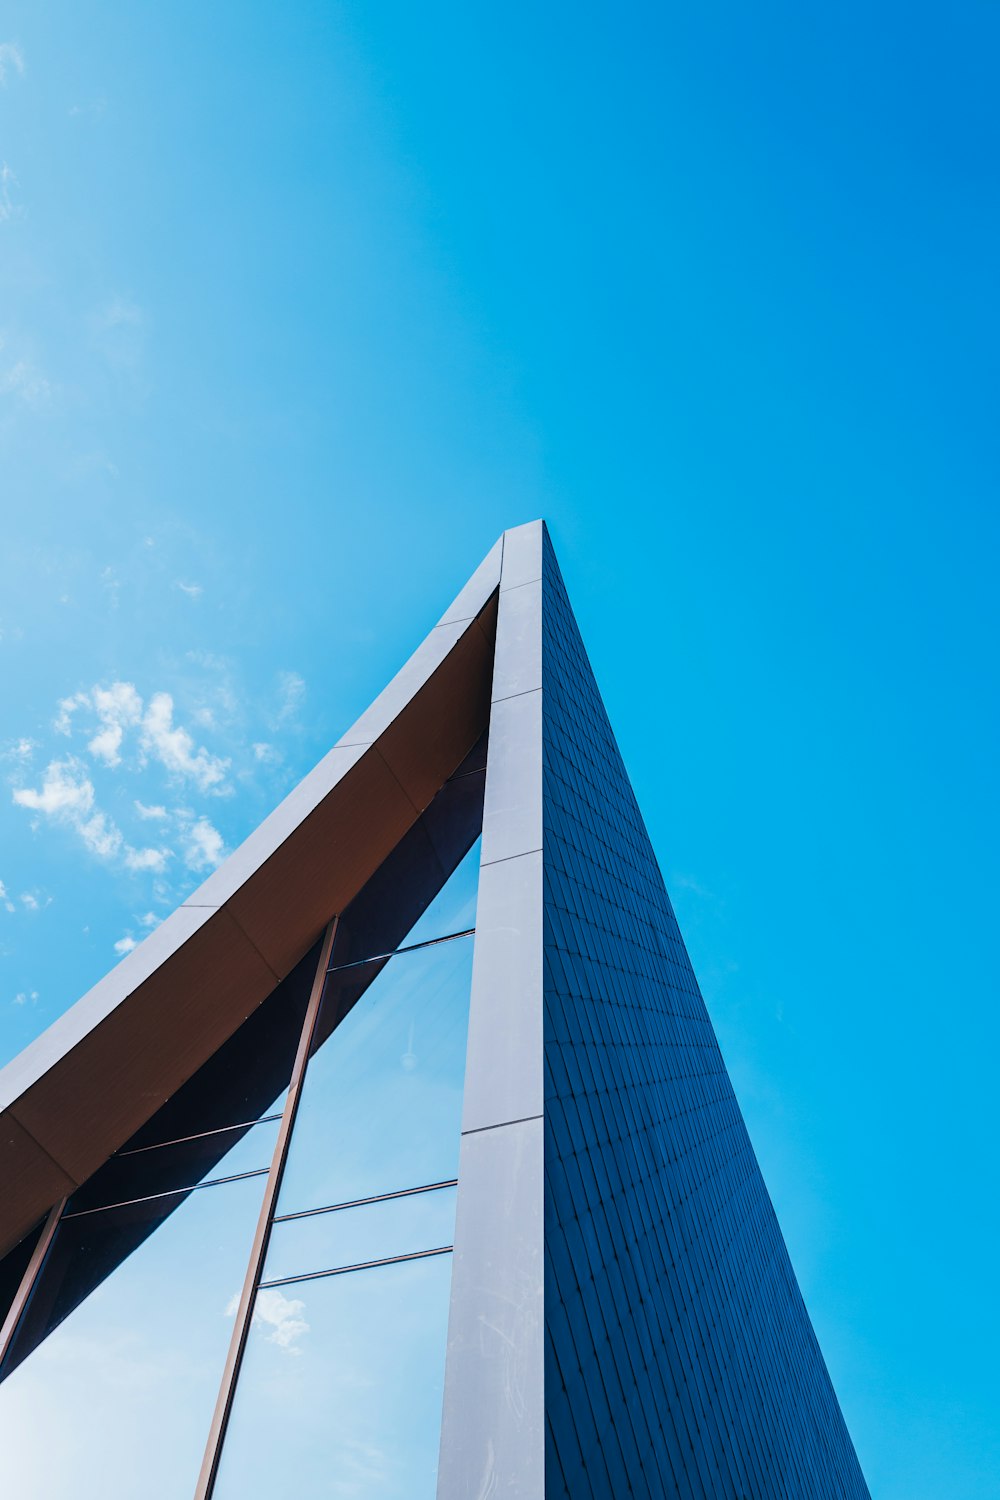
[103, 1085]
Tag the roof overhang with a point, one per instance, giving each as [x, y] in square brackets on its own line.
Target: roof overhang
[75, 1095]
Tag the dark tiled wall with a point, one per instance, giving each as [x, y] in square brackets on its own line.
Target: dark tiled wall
[680, 1360]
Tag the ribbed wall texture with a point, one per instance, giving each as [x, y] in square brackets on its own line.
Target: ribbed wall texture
[680, 1360]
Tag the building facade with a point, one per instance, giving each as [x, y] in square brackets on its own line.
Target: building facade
[401, 1161]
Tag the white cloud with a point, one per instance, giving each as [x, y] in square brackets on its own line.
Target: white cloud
[21, 379]
[23, 996]
[120, 312]
[277, 1317]
[292, 691]
[146, 859]
[96, 109]
[148, 813]
[150, 920]
[11, 58]
[265, 753]
[175, 749]
[67, 796]
[118, 708]
[680, 882]
[63, 721]
[193, 590]
[8, 208]
[119, 330]
[101, 835]
[124, 945]
[111, 584]
[204, 846]
[66, 791]
[20, 750]
[5, 898]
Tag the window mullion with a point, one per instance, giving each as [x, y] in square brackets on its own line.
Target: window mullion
[244, 1314]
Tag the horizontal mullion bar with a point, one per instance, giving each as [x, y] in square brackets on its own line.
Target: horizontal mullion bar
[356, 963]
[199, 1135]
[193, 1187]
[332, 1208]
[363, 1265]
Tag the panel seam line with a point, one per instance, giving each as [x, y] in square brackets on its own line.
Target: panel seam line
[505, 858]
[500, 1124]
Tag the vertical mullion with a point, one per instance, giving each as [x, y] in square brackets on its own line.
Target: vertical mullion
[237, 1344]
[34, 1266]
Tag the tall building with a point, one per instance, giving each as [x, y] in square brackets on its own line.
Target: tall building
[401, 1161]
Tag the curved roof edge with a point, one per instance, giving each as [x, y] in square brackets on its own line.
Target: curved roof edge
[78, 1092]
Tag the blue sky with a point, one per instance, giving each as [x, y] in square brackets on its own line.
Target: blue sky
[299, 310]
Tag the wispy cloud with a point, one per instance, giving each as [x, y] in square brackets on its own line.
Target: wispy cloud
[174, 748]
[67, 796]
[112, 586]
[23, 380]
[118, 329]
[66, 708]
[120, 312]
[147, 859]
[277, 1317]
[291, 695]
[66, 791]
[204, 847]
[5, 898]
[193, 590]
[154, 813]
[118, 708]
[24, 997]
[116, 742]
[124, 945]
[8, 181]
[20, 751]
[680, 882]
[11, 61]
[96, 109]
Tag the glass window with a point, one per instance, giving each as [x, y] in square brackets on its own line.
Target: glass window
[454, 908]
[382, 1099]
[14, 1265]
[161, 1169]
[341, 1388]
[351, 1236]
[116, 1402]
[248, 1076]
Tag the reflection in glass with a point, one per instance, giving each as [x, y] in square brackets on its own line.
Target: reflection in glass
[351, 1236]
[382, 1100]
[341, 1388]
[454, 909]
[115, 1404]
[248, 1076]
[14, 1265]
[161, 1169]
